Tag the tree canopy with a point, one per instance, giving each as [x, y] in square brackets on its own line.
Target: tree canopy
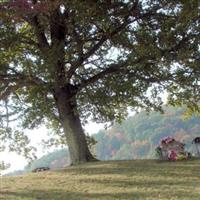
[66, 61]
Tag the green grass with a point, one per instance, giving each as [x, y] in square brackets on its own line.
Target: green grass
[135, 180]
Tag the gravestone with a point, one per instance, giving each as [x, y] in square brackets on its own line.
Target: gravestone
[171, 149]
[196, 141]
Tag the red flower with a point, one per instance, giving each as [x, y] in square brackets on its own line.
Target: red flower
[172, 155]
[167, 140]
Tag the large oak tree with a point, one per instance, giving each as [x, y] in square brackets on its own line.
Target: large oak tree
[63, 61]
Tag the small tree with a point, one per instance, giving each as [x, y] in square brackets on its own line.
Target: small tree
[3, 166]
[63, 61]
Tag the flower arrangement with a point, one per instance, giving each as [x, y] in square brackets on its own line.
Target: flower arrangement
[171, 149]
[182, 157]
[172, 155]
[167, 140]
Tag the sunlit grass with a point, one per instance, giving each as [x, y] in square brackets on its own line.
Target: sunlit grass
[135, 180]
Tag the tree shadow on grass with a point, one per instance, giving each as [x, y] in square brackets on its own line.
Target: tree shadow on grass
[61, 195]
[136, 181]
[129, 183]
[64, 195]
[153, 168]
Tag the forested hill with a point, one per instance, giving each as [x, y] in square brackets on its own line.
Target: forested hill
[135, 138]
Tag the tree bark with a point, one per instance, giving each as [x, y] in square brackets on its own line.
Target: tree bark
[76, 140]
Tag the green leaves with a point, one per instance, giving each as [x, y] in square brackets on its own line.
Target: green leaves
[4, 166]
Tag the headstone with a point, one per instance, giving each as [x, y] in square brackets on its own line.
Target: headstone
[171, 149]
[196, 141]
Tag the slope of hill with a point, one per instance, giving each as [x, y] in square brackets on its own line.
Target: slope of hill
[135, 138]
[134, 180]
[54, 160]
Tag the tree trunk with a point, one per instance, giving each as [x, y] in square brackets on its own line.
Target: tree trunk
[76, 140]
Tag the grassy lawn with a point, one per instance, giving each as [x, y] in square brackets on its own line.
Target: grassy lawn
[135, 180]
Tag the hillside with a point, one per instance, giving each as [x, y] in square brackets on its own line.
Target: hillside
[110, 180]
[137, 137]
[134, 138]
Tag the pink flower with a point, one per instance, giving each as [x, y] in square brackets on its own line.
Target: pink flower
[167, 140]
[172, 155]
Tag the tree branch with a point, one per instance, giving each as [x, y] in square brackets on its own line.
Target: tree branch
[113, 69]
[12, 82]
[40, 33]
[123, 68]
[10, 89]
[103, 39]
[17, 78]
